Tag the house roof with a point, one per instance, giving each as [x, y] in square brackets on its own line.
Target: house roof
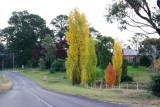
[130, 52]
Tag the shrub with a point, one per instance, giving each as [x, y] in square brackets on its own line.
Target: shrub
[126, 78]
[42, 63]
[156, 65]
[58, 65]
[124, 66]
[154, 85]
[135, 65]
[145, 61]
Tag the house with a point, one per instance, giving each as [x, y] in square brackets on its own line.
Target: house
[130, 54]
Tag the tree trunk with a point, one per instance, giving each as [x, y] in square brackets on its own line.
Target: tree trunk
[158, 31]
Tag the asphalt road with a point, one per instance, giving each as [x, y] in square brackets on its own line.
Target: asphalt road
[27, 93]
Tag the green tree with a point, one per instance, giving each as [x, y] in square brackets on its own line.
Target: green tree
[105, 47]
[60, 25]
[50, 49]
[95, 34]
[150, 48]
[25, 32]
[136, 40]
[140, 14]
[125, 66]
[145, 61]
[90, 64]
[77, 36]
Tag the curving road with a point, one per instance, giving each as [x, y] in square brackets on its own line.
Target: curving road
[27, 93]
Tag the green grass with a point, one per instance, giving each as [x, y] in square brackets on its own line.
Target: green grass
[112, 95]
[100, 73]
[140, 74]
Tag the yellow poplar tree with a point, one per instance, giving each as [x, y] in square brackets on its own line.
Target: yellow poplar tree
[89, 72]
[77, 35]
[117, 60]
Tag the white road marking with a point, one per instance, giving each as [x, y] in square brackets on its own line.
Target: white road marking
[38, 98]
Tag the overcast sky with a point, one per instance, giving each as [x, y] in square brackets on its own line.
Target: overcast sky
[49, 9]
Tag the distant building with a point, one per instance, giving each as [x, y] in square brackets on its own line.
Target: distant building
[130, 54]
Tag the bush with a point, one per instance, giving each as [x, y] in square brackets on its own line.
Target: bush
[154, 85]
[58, 65]
[126, 78]
[42, 63]
[145, 61]
[156, 65]
[135, 65]
[124, 66]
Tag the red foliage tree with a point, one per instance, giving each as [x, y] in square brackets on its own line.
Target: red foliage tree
[36, 54]
[110, 75]
[61, 49]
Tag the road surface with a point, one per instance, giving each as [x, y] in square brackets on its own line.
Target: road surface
[27, 93]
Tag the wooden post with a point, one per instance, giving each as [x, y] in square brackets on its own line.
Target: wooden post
[84, 84]
[137, 86]
[127, 87]
[119, 86]
[4, 76]
[100, 86]
[95, 86]
[2, 64]
[106, 86]
[45, 78]
[87, 85]
[13, 60]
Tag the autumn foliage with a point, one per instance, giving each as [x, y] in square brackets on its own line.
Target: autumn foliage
[110, 75]
[117, 60]
[89, 72]
[77, 36]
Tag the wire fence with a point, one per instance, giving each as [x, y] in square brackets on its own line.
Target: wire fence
[102, 86]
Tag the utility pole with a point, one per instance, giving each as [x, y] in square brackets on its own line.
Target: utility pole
[13, 60]
[2, 63]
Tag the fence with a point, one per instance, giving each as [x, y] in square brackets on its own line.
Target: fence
[101, 85]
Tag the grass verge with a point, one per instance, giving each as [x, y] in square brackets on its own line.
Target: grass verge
[5, 84]
[57, 83]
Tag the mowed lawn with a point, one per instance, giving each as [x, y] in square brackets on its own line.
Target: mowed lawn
[140, 74]
[58, 83]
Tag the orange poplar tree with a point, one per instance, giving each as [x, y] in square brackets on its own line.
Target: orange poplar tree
[110, 75]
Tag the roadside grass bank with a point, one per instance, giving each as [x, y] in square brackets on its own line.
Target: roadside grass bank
[5, 84]
[58, 83]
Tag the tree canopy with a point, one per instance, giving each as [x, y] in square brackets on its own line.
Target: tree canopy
[77, 36]
[60, 25]
[140, 14]
[24, 32]
[151, 48]
[105, 47]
